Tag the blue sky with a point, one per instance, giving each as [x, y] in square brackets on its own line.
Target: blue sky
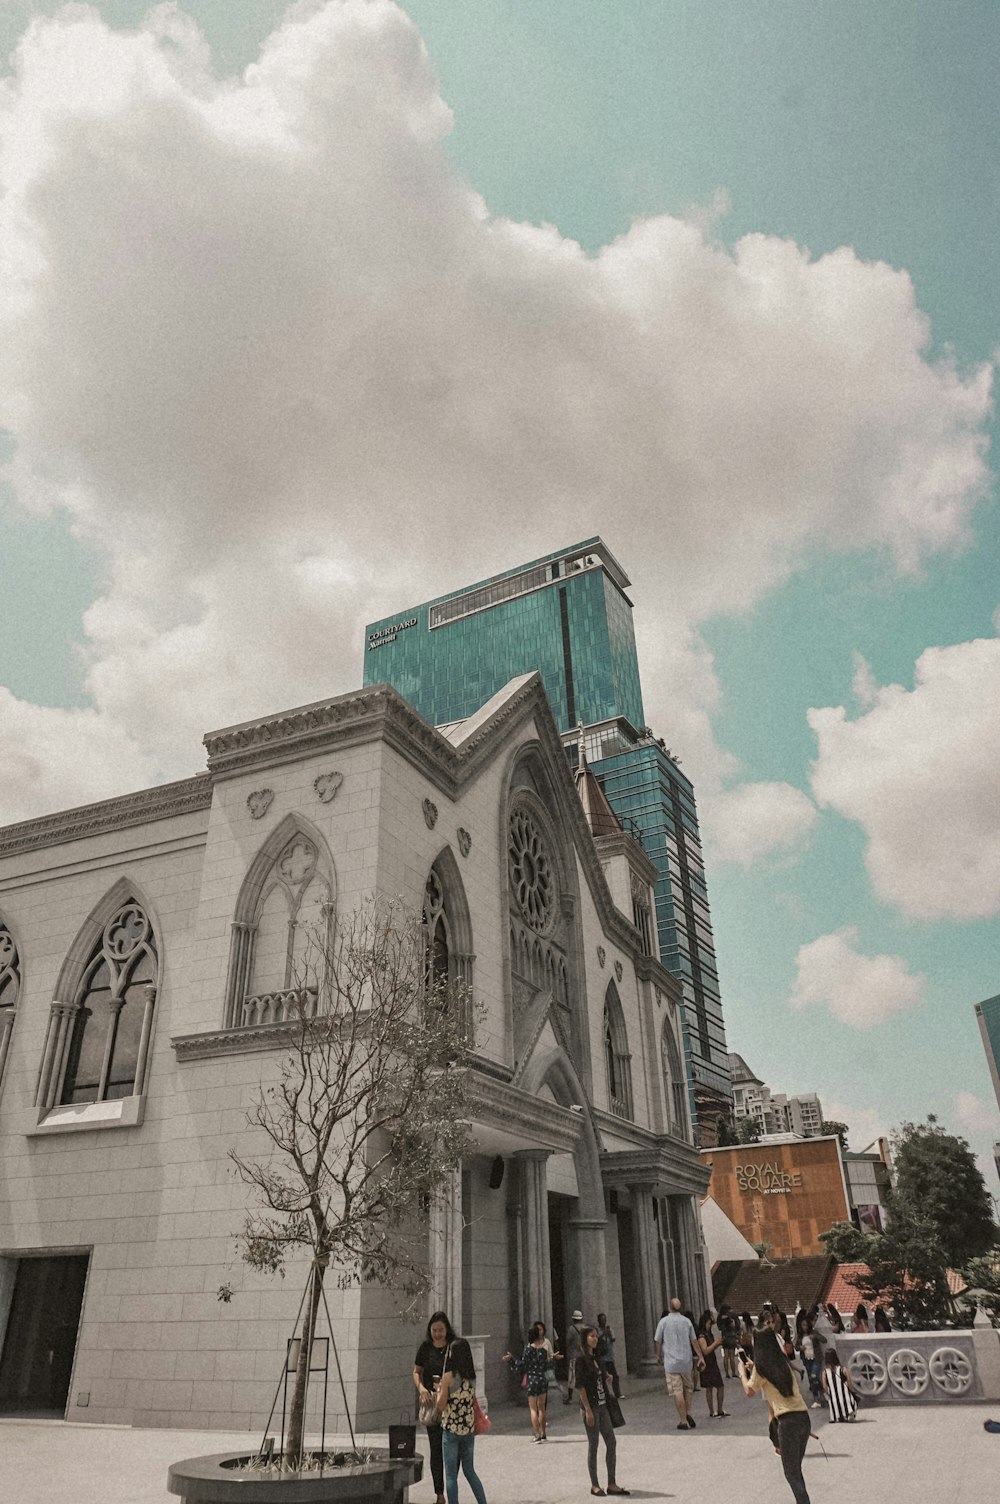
[262, 328]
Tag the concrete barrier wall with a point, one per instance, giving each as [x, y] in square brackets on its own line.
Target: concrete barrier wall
[923, 1368]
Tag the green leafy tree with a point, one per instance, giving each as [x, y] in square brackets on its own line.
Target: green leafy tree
[366, 1118]
[747, 1130]
[937, 1182]
[725, 1135]
[983, 1275]
[906, 1268]
[831, 1125]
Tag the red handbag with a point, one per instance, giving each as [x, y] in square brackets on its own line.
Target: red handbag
[480, 1420]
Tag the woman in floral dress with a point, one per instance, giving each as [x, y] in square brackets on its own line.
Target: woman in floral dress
[456, 1393]
[533, 1365]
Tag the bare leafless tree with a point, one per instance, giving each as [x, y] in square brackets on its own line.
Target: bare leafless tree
[368, 1115]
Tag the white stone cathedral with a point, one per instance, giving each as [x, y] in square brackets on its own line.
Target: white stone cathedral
[147, 964]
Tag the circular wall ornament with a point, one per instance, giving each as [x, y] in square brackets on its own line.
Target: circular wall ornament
[951, 1370]
[530, 870]
[908, 1371]
[868, 1371]
[602, 954]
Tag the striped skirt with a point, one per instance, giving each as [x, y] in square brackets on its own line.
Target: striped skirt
[842, 1403]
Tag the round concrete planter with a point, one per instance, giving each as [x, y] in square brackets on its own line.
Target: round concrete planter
[209, 1480]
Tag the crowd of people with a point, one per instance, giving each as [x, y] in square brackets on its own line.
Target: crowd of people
[767, 1358]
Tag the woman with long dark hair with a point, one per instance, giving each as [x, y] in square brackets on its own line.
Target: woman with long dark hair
[457, 1393]
[593, 1384]
[533, 1365]
[772, 1376]
[711, 1379]
[428, 1366]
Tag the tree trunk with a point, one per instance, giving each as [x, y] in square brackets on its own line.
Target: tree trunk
[297, 1412]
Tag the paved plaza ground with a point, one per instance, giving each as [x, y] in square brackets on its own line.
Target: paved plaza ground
[936, 1454]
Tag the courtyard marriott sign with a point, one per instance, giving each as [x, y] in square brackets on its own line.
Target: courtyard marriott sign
[770, 1179]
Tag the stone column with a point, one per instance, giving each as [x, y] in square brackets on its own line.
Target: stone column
[535, 1270]
[644, 1273]
[6, 1029]
[592, 1264]
[446, 1249]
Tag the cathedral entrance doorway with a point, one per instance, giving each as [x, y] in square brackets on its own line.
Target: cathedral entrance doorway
[39, 1344]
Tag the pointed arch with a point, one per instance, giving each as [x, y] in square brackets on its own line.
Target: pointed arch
[617, 1060]
[10, 990]
[554, 1069]
[674, 1086]
[282, 926]
[100, 1025]
[448, 921]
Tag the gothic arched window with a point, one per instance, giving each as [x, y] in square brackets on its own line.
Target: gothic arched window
[617, 1060]
[674, 1087]
[10, 986]
[438, 936]
[281, 934]
[113, 1011]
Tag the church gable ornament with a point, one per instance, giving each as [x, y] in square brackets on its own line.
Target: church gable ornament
[602, 955]
[430, 810]
[464, 841]
[619, 971]
[259, 802]
[327, 786]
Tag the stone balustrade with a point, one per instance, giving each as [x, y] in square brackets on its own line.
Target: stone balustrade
[920, 1368]
[278, 1007]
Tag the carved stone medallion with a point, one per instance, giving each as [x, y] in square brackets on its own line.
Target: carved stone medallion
[259, 802]
[464, 841]
[326, 786]
[430, 810]
[619, 971]
[602, 954]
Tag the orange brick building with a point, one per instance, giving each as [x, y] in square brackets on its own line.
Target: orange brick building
[782, 1194]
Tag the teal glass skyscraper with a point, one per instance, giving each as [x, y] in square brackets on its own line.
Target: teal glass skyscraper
[568, 616]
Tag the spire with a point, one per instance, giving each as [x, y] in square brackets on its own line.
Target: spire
[600, 816]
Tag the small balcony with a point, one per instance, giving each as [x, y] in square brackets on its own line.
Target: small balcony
[279, 1007]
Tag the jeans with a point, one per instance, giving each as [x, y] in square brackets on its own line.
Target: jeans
[459, 1451]
[793, 1432]
[437, 1463]
[814, 1369]
[602, 1427]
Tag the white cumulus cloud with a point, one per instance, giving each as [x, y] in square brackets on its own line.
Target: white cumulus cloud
[756, 819]
[918, 771]
[975, 1116]
[280, 363]
[861, 991]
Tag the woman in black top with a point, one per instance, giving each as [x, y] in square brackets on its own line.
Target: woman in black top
[428, 1366]
[592, 1382]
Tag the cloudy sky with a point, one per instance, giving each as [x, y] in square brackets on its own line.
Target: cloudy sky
[309, 312]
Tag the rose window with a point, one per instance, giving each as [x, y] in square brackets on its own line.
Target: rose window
[951, 1370]
[530, 871]
[908, 1371]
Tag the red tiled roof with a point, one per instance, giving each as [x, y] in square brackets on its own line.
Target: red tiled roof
[845, 1295]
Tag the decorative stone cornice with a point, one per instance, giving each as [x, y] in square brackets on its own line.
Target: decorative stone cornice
[160, 803]
[245, 1041]
[500, 1105]
[666, 1166]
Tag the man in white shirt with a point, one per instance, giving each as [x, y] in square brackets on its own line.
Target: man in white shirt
[677, 1349]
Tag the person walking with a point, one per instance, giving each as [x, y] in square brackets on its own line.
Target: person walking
[838, 1386]
[533, 1365]
[574, 1347]
[771, 1375]
[810, 1345]
[606, 1353]
[677, 1349]
[729, 1331]
[457, 1392]
[591, 1377]
[711, 1378]
[428, 1366]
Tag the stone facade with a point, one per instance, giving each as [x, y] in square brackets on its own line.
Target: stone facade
[177, 909]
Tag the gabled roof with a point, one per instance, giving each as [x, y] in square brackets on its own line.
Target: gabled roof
[790, 1283]
[740, 1071]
